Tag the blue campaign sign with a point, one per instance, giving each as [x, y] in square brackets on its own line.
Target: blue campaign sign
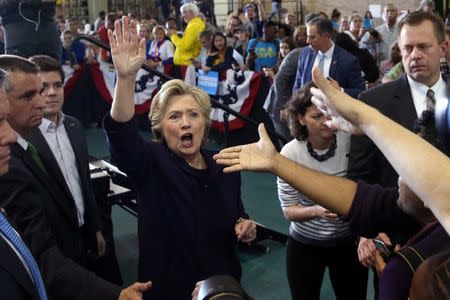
[208, 82]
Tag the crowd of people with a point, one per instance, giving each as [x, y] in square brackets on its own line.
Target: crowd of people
[338, 176]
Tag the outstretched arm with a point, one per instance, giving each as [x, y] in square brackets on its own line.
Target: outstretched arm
[262, 156]
[424, 169]
[128, 55]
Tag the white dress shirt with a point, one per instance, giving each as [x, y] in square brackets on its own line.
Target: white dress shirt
[59, 143]
[419, 94]
[327, 60]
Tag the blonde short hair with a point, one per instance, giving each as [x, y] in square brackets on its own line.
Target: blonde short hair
[159, 28]
[172, 88]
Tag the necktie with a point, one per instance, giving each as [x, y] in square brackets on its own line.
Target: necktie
[445, 71]
[20, 246]
[321, 62]
[35, 156]
[431, 101]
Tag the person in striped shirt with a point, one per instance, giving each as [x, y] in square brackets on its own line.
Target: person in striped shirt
[317, 238]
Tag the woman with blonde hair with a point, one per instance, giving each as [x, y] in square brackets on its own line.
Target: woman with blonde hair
[190, 213]
[145, 32]
[161, 51]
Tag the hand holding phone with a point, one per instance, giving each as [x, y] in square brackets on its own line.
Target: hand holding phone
[385, 250]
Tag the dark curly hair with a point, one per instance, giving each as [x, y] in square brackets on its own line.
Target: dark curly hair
[298, 104]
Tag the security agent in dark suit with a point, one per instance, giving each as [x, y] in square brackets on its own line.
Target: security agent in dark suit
[62, 147]
[27, 167]
[15, 280]
[20, 196]
[341, 67]
[422, 44]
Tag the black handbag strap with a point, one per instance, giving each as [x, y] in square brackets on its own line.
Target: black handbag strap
[411, 257]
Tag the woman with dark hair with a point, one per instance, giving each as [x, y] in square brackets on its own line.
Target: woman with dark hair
[356, 29]
[366, 60]
[335, 16]
[368, 20]
[317, 238]
[220, 56]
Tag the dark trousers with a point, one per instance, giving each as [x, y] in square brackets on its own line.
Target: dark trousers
[305, 265]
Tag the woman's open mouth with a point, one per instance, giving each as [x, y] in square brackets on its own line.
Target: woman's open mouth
[187, 139]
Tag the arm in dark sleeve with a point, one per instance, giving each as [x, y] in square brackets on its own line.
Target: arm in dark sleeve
[241, 209]
[374, 209]
[355, 82]
[369, 66]
[298, 76]
[362, 159]
[127, 148]
[285, 77]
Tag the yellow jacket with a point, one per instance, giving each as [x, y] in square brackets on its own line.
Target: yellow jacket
[188, 47]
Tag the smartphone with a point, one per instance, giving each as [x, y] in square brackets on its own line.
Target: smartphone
[381, 246]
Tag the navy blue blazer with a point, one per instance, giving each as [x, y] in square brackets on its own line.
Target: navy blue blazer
[186, 216]
[345, 69]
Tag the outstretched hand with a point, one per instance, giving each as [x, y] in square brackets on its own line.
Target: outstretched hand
[337, 106]
[252, 157]
[135, 291]
[127, 51]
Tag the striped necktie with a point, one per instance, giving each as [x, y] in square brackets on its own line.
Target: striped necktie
[431, 101]
[20, 246]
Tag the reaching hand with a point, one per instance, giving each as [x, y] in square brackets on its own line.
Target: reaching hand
[326, 214]
[338, 107]
[252, 157]
[127, 51]
[245, 231]
[366, 252]
[135, 291]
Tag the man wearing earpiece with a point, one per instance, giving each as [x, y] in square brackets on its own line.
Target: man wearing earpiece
[25, 18]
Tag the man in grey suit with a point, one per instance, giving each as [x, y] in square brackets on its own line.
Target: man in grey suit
[422, 43]
[281, 91]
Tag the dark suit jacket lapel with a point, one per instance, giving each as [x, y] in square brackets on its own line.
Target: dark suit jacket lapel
[334, 63]
[405, 109]
[12, 264]
[309, 64]
[75, 141]
[49, 160]
[42, 178]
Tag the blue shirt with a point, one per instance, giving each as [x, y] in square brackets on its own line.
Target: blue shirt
[266, 53]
